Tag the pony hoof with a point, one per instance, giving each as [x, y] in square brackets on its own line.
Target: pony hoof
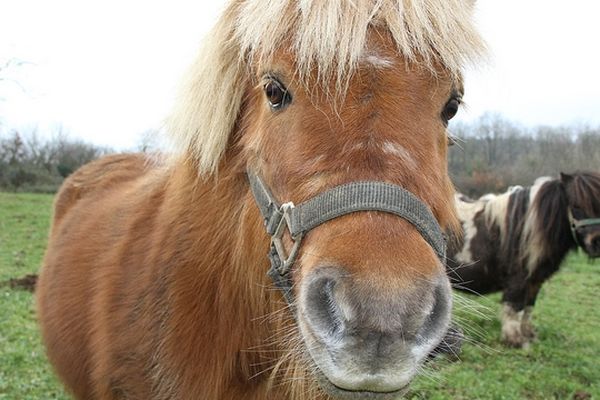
[529, 333]
[515, 341]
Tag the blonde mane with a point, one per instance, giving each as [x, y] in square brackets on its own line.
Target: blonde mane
[324, 36]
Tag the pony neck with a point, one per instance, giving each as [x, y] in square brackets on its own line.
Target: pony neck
[227, 295]
[550, 229]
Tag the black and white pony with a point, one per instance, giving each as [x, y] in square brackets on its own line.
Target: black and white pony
[514, 241]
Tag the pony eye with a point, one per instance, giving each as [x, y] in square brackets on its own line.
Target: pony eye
[277, 95]
[450, 109]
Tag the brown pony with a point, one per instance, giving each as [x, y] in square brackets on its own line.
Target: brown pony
[154, 283]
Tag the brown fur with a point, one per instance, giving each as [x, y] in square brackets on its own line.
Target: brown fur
[154, 283]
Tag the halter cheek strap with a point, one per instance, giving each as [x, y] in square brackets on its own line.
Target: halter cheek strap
[576, 224]
[340, 200]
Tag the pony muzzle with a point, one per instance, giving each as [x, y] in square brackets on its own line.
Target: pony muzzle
[370, 339]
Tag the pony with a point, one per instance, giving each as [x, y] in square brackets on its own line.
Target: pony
[154, 284]
[513, 242]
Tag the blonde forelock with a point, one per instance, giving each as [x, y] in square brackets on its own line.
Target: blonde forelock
[328, 37]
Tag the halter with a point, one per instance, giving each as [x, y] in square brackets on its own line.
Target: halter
[576, 224]
[335, 202]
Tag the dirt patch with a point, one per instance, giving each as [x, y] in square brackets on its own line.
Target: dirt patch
[25, 283]
[581, 395]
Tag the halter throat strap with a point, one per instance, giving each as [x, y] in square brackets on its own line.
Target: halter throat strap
[340, 200]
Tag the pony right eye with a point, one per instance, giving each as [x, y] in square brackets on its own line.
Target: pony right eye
[277, 95]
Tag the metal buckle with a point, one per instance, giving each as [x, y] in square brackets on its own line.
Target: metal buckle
[287, 260]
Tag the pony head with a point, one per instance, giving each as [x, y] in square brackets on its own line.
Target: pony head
[311, 95]
[583, 196]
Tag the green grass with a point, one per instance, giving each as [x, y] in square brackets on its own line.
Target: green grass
[24, 370]
[561, 364]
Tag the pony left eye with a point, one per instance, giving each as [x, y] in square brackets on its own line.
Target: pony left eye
[277, 95]
[451, 108]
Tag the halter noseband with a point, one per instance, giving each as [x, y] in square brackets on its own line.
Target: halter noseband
[576, 224]
[335, 202]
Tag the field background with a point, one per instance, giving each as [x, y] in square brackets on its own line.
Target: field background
[564, 363]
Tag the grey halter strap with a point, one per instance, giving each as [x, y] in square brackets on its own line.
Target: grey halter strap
[333, 203]
[576, 224]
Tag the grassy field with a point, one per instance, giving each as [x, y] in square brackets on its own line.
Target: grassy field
[563, 364]
[24, 371]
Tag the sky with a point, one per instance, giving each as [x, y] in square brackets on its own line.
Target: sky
[107, 71]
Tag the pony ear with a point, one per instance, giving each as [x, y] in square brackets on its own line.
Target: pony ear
[565, 178]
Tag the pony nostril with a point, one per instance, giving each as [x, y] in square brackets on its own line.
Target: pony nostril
[336, 310]
[439, 316]
[322, 309]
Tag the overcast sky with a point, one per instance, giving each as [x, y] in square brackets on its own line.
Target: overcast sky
[107, 71]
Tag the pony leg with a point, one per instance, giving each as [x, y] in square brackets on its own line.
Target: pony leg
[527, 327]
[512, 333]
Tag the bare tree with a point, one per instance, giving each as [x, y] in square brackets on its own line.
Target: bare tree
[493, 153]
[28, 162]
[7, 68]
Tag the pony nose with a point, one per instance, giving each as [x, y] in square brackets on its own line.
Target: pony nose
[377, 320]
